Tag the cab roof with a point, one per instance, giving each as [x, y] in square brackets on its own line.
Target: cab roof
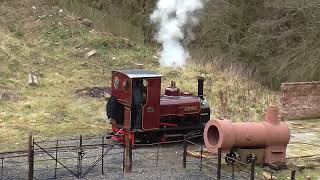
[139, 73]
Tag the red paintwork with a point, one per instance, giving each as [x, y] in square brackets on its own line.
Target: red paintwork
[151, 110]
[172, 91]
[121, 94]
[116, 130]
[121, 134]
[179, 105]
[132, 138]
[127, 118]
[157, 109]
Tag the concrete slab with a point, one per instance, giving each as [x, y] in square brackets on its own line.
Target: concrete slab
[305, 138]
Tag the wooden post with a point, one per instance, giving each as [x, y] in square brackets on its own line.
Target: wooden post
[30, 157]
[253, 163]
[158, 149]
[219, 165]
[293, 174]
[56, 165]
[1, 168]
[128, 154]
[80, 154]
[185, 146]
[123, 158]
[201, 149]
[233, 170]
[102, 156]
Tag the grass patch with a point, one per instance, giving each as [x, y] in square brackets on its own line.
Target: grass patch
[15, 30]
[230, 95]
[52, 110]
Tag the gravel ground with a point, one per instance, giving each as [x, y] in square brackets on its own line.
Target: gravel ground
[145, 164]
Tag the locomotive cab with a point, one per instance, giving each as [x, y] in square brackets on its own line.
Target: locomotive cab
[137, 93]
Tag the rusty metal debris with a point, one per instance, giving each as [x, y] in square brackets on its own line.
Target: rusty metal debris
[90, 53]
[95, 92]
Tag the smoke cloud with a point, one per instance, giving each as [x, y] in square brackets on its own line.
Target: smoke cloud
[175, 18]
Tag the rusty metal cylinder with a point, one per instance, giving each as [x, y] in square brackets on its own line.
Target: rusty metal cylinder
[226, 134]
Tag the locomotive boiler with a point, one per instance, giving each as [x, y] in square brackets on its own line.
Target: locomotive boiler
[136, 104]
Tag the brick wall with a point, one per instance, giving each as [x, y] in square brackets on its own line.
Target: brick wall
[300, 100]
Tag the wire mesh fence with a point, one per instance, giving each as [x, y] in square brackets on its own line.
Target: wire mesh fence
[212, 164]
[13, 166]
[58, 159]
[164, 160]
[77, 157]
[184, 158]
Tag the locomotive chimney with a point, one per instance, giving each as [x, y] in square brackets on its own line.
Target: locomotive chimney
[200, 87]
[272, 115]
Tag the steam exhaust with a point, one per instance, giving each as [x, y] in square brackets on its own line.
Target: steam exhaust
[175, 19]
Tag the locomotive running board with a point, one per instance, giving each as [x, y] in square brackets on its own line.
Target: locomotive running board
[172, 135]
[187, 128]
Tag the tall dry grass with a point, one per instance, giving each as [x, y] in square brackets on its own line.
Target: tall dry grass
[277, 40]
[231, 90]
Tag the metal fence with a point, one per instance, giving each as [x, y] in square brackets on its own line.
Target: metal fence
[175, 157]
[82, 157]
[14, 165]
[76, 157]
[164, 160]
[214, 166]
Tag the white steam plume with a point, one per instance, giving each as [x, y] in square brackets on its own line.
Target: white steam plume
[175, 18]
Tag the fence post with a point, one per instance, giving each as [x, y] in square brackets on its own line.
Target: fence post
[293, 174]
[1, 168]
[56, 165]
[80, 153]
[128, 155]
[30, 157]
[123, 158]
[158, 153]
[185, 146]
[219, 165]
[233, 170]
[201, 149]
[253, 163]
[102, 156]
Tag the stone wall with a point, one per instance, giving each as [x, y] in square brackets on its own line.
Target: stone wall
[300, 100]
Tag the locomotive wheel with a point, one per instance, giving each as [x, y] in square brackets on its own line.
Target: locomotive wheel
[148, 137]
[230, 157]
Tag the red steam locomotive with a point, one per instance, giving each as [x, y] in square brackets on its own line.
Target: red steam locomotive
[136, 104]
